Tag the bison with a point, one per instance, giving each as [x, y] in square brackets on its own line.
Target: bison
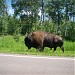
[35, 40]
[41, 39]
[53, 41]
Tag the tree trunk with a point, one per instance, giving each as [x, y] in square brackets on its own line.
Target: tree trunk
[42, 11]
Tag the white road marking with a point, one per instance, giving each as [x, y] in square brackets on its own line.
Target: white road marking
[38, 57]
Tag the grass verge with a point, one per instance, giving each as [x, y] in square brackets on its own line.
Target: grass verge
[9, 45]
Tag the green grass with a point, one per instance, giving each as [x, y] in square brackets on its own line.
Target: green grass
[9, 45]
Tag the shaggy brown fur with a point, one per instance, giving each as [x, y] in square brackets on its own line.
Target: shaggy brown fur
[40, 39]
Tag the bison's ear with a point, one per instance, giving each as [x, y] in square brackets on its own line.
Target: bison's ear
[27, 35]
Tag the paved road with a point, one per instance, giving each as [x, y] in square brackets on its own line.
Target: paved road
[35, 65]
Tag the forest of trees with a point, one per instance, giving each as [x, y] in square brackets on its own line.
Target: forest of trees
[57, 16]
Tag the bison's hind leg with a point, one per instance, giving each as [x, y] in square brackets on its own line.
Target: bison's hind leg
[62, 48]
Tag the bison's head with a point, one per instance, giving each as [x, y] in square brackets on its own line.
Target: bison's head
[28, 41]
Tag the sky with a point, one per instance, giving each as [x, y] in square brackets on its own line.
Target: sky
[9, 9]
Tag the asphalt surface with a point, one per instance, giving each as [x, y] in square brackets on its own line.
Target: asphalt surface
[36, 65]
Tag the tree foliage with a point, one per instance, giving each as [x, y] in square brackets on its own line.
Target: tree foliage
[58, 17]
[3, 7]
[3, 13]
[27, 10]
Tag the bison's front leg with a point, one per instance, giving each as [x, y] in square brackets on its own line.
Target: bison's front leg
[50, 48]
[40, 49]
[54, 49]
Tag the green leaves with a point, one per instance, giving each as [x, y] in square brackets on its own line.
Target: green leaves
[3, 7]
